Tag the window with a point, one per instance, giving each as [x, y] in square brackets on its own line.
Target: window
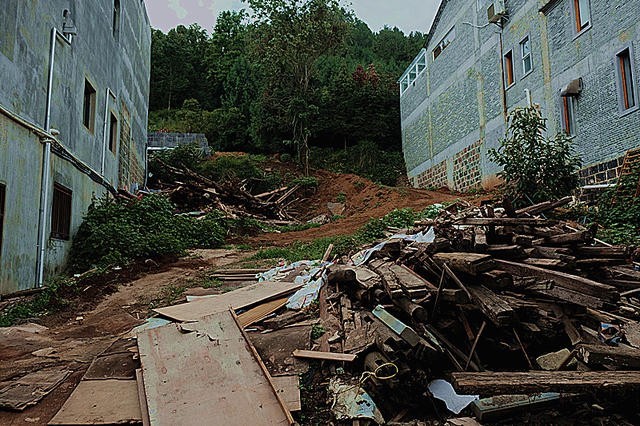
[508, 69]
[525, 51]
[116, 18]
[413, 72]
[113, 133]
[568, 116]
[61, 212]
[2, 203]
[89, 106]
[581, 14]
[446, 41]
[626, 86]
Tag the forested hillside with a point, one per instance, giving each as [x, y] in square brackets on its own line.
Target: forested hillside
[287, 77]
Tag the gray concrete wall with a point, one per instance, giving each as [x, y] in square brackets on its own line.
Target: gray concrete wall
[120, 63]
[454, 115]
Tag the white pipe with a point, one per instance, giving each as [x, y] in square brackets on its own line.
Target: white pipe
[46, 164]
[108, 93]
[528, 94]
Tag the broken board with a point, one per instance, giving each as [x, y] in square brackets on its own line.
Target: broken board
[207, 370]
[237, 299]
[101, 402]
[260, 312]
[31, 388]
[289, 389]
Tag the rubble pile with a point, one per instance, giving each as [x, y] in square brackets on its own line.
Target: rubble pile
[484, 314]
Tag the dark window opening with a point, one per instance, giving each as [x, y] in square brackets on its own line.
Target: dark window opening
[113, 133]
[568, 116]
[625, 74]
[508, 68]
[61, 212]
[2, 203]
[89, 106]
[116, 18]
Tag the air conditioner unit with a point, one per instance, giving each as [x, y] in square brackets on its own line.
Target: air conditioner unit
[496, 11]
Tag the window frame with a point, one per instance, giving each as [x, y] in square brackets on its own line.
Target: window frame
[61, 212]
[621, 82]
[89, 122]
[578, 28]
[413, 72]
[509, 69]
[444, 42]
[525, 73]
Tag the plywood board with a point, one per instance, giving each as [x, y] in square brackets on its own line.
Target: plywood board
[142, 398]
[289, 389]
[261, 311]
[31, 388]
[206, 370]
[237, 299]
[101, 402]
[328, 356]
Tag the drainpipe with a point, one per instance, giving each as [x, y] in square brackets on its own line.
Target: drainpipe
[108, 93]
[46, 163]
[527, 93]
[504, 87]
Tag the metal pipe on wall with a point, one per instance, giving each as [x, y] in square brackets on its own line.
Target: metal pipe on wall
[108, 93]
[46, 163]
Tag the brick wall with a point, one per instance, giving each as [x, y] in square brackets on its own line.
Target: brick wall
[466, 168]
[435, 177]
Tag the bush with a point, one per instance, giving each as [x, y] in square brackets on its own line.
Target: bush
[365, 159]
[188, 156]
[533, 165]
[119, 232]
[237, 168]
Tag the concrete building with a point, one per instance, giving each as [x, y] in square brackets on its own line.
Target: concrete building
[578, 59]
[74, 97]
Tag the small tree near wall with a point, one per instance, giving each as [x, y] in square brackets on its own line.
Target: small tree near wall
[535, 167]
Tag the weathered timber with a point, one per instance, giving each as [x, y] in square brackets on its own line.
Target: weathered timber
[415, 311]
[546, 263]
[494, 308]
[570, 296]
[326, 356]
[572, 237]
[543, 381]
[479, 240]
[614, 251]
[561, 279]
[614, 356]
[506, 221]
[506, 251]
[389, 280]
[496, 279]
[544, 206]
[341, 275]
[414, 285]
[598, 262]
[470, 263]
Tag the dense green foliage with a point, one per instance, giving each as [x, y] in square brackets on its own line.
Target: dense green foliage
[290, 74]
[618, 211]
[535, 168]
[117, 232]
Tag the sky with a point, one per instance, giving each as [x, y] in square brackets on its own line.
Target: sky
[412, 15]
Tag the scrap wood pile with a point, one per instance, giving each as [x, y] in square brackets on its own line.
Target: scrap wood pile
[191, 190]
[483, 314]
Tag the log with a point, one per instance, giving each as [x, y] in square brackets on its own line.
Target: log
[496, 279]
[507, 251]
[415, 311]
[614, 251]
[612, 356]
[546, 263]
[505, 383]
[561, 279]
[544, 206]
[469, 263]
[569, 238]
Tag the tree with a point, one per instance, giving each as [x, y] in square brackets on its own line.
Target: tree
[289, 38]
[535, 167]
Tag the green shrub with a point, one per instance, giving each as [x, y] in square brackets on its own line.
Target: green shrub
[119, 232]
[533, 165]
[188, 156]
[237, 168]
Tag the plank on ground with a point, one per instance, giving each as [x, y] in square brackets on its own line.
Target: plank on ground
[506, 383]
[142, 398]
[289, 389]
[101, 402]
[328, 356]
[207, 370]
[261, 311]
[237, 299]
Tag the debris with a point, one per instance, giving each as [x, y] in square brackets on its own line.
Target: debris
[443, 390]
[288, 387]
[351, 402]
[554, 360]
[105, 402]
[491, 408]
[29, 389]
[326, 356]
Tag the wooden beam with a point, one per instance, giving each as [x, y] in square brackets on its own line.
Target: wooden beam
[325, 356]
[505, 221]
[470, 263]
[498, 311]
[614, 356]
[506, 383]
